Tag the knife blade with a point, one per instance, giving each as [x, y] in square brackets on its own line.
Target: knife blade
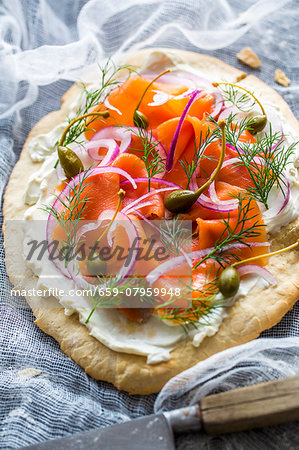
[241, 409]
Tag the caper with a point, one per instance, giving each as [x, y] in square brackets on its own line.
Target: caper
[96, 267]
[140, 120]
[180, 201]
[257, 123]
[70, 162]
[229, 282]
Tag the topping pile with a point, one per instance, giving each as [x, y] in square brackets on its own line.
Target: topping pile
[178, 158]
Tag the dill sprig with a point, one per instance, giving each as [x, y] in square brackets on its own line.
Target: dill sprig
[200, 145]
[175, 235]
[108, 82]
[224, 248]
[104, 297]
[265, 162]
[200, 305]
[241, 99]
[73, 205]
[154, 163]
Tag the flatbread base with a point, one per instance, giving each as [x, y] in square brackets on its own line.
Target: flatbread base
[246, 319]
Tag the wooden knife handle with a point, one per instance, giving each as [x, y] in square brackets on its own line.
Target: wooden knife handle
[254, 406]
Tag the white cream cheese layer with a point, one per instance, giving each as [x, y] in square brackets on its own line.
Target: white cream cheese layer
[154, 339]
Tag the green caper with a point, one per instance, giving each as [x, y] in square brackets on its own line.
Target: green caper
[229, 282]
[180, 201]
[70, 162]
[96, 266]
[140, 120]
[257, 123]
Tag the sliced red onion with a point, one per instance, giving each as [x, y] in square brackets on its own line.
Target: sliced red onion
[121, 134]
[152, 224]
[140, 206]
[217, 103]
[69, 188]
[171, 264]
[215, 199]
[112, 153]
[133, 235]
[204, 201]
[131, 230]
[170, 156]
[275, 210]
[226, 112]
[153, 180]
[213, 204]
[149, 194]
[51, 224]
[254, 269]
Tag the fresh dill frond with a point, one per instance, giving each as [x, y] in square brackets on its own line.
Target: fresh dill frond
[265, 161]
[200, 145]
[71, 210]
[201, 301]
[242, 100]
[115, 292]
[175, 235]
[93, 98]
[154, 163]
[238, 233]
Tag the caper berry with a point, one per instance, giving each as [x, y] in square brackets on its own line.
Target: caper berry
[96, 267]
[229, 282]
[180, 201]
[70, 162]
[257, 123]
[140, 120]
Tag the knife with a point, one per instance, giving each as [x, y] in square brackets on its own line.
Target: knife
[256, 406]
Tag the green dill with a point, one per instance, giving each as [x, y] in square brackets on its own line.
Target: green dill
[200, 146]
[238, 233]
[265, 160]
[154, 163]
[111, 292]
[69, 213]
[175, 235]
[108, 82]
[201, 302]
[243, 101]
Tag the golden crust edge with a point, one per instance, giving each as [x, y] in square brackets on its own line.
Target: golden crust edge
[130, 372]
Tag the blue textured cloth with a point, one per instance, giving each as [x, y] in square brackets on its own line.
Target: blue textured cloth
[62, 399]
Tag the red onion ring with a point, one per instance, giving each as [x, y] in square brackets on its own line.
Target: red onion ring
[52, 222]
[151, 223]
[148, 194]
[254, 269]
[121, 134]
[112, 153]
[132, 233]
[170, 156]
[153, 180]
[215, 199]
[171, 264]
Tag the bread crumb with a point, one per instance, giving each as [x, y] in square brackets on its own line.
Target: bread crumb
[281, 78]
[30, 372]
[248, 57]
[241, 77]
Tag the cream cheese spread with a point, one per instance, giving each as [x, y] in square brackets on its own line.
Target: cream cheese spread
[154, 339]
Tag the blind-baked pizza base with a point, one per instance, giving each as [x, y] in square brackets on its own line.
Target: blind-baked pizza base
[246, 319]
